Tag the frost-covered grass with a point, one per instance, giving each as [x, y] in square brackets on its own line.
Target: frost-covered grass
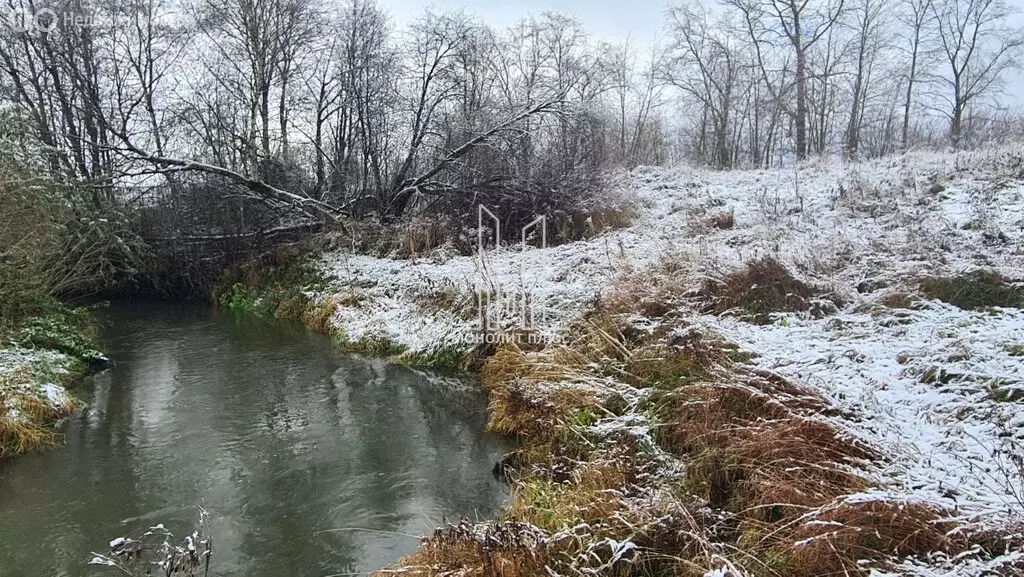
[40, 357]
[866, 423]
[32, 395]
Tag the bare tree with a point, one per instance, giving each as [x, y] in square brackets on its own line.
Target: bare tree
[433, 48]
[800, 24]
[706, 66]
[979, 46]
[55, 76]
[826, 98]
[299, 24]
[246, 39]
[915, 16]
[868, 15]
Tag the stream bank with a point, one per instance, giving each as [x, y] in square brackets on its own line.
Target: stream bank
[738, 375]
[42, 357]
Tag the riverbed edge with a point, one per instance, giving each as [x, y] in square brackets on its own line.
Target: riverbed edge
[611, 479]
[41, 361]
[608, 477]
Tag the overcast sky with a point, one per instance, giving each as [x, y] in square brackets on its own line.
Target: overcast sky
[608, 19]
[641, 20]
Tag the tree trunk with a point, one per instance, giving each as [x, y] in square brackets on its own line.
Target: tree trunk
[801, 101]
[905, 132]
[956, 126]
[853, 128]
[956, 123]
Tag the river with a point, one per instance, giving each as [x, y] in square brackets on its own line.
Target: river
[310, 462]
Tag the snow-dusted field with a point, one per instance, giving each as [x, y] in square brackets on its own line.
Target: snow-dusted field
[862, 231]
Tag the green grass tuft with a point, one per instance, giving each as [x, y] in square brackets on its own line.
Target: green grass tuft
[975, 290]
[444, 359]
[372, 345]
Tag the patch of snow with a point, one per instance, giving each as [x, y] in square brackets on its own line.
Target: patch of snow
[33, 365]
[101, 560]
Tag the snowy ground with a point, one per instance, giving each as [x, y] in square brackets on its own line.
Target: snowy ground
[33, 374]
[862, 231]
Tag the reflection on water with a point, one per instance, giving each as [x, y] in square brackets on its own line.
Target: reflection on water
[310, 462]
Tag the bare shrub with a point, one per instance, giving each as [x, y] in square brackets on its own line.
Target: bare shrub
[770, 203]
[55, 242]
[724, 220]
[157, 550]
[763, 287]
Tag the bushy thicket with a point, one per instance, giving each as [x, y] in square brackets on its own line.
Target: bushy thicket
[57, 240]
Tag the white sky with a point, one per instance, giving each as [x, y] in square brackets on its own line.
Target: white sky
[608, 19]
[641, 20]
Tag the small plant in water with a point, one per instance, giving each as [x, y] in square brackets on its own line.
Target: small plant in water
[154, 553]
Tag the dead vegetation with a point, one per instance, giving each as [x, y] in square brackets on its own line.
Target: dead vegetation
[764, 452]
[763, 287]
[157, 548]
[648, 450]
[501, 549]
[439, 237]
[724, 220]
[25, 416]
[831, 538]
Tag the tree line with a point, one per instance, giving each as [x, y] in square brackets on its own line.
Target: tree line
[862, 78]
[233, 118]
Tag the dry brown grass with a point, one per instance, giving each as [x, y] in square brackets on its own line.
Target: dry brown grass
[975, 290]
[761, 449]
[21, 435]
[30, 429]
[406, 239]
[764, 286]
[541, 527]
[724, 220]
[317, 317]
[502, 549]
[739, 439]
[829, 541]
[593, 222]
[293, 308]
[897, 300]
[578, 507]
[766, 477]
[560, 506]
[516, 412]
[523, 401]
[507, 363]
[637, 335]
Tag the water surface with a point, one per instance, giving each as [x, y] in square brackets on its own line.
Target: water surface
[310, 462]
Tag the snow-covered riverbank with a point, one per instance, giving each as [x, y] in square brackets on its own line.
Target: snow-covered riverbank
[867, 225]
[33, 394]
[938, 390]
[40, 358]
